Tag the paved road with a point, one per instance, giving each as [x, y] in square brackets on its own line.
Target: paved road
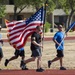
[33, 72]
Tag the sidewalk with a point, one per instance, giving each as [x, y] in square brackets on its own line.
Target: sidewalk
[51, 34]
[48, 34]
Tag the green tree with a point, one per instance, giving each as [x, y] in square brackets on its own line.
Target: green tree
[69, 7]
[2, 9]
[38, 3]
[20, 4]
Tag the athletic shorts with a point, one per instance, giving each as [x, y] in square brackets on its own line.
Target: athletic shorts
[60, 53]
[19, 53]
[36, 52]
[1, 53]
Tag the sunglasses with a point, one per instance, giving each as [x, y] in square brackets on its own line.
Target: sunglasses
[59, 27]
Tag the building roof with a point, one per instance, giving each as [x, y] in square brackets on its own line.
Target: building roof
[10, 9]
[59, 12]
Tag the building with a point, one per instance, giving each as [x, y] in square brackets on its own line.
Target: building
[57, 17]
[26, 13]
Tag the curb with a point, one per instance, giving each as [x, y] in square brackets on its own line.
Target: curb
[46, 39]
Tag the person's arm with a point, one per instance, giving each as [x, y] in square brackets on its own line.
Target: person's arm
[54, 39]
[35, 43]
[55, 42]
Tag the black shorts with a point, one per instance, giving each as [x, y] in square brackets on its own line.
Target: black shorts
[60, 53]
[36, 52]
[1, 53]
[19, 53]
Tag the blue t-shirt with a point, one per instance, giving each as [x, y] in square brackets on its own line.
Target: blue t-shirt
[21, 49]
[59, 37]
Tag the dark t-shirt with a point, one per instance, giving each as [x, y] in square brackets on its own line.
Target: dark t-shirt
[37, 39]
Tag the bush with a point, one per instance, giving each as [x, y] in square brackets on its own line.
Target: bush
[47, 26]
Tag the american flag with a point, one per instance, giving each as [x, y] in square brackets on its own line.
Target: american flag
[19, 31]
[70, 27]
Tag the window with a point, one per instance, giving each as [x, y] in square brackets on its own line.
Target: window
[11, 17]
[0, 20]
[11, 2]
[20, 17]
[61, 19]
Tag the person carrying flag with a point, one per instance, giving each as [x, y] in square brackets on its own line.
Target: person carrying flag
[36, 49]
[58, 38]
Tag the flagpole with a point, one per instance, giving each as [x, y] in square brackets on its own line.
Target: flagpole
[45, 6]
[46, 2]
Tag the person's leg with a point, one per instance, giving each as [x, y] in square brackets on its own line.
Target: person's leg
[8, 60]
[61, 62]
[39, 55]
[1, 54]
[58, 56]
[22, 60]
[39, 68]
[39, 62]
[23, 66]
[22, 55]
[0, 59]
[51, 61]
[33, 57]
[30, 60]
[12, 58]
[61, 55]
[55, 59]
[16, 54]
